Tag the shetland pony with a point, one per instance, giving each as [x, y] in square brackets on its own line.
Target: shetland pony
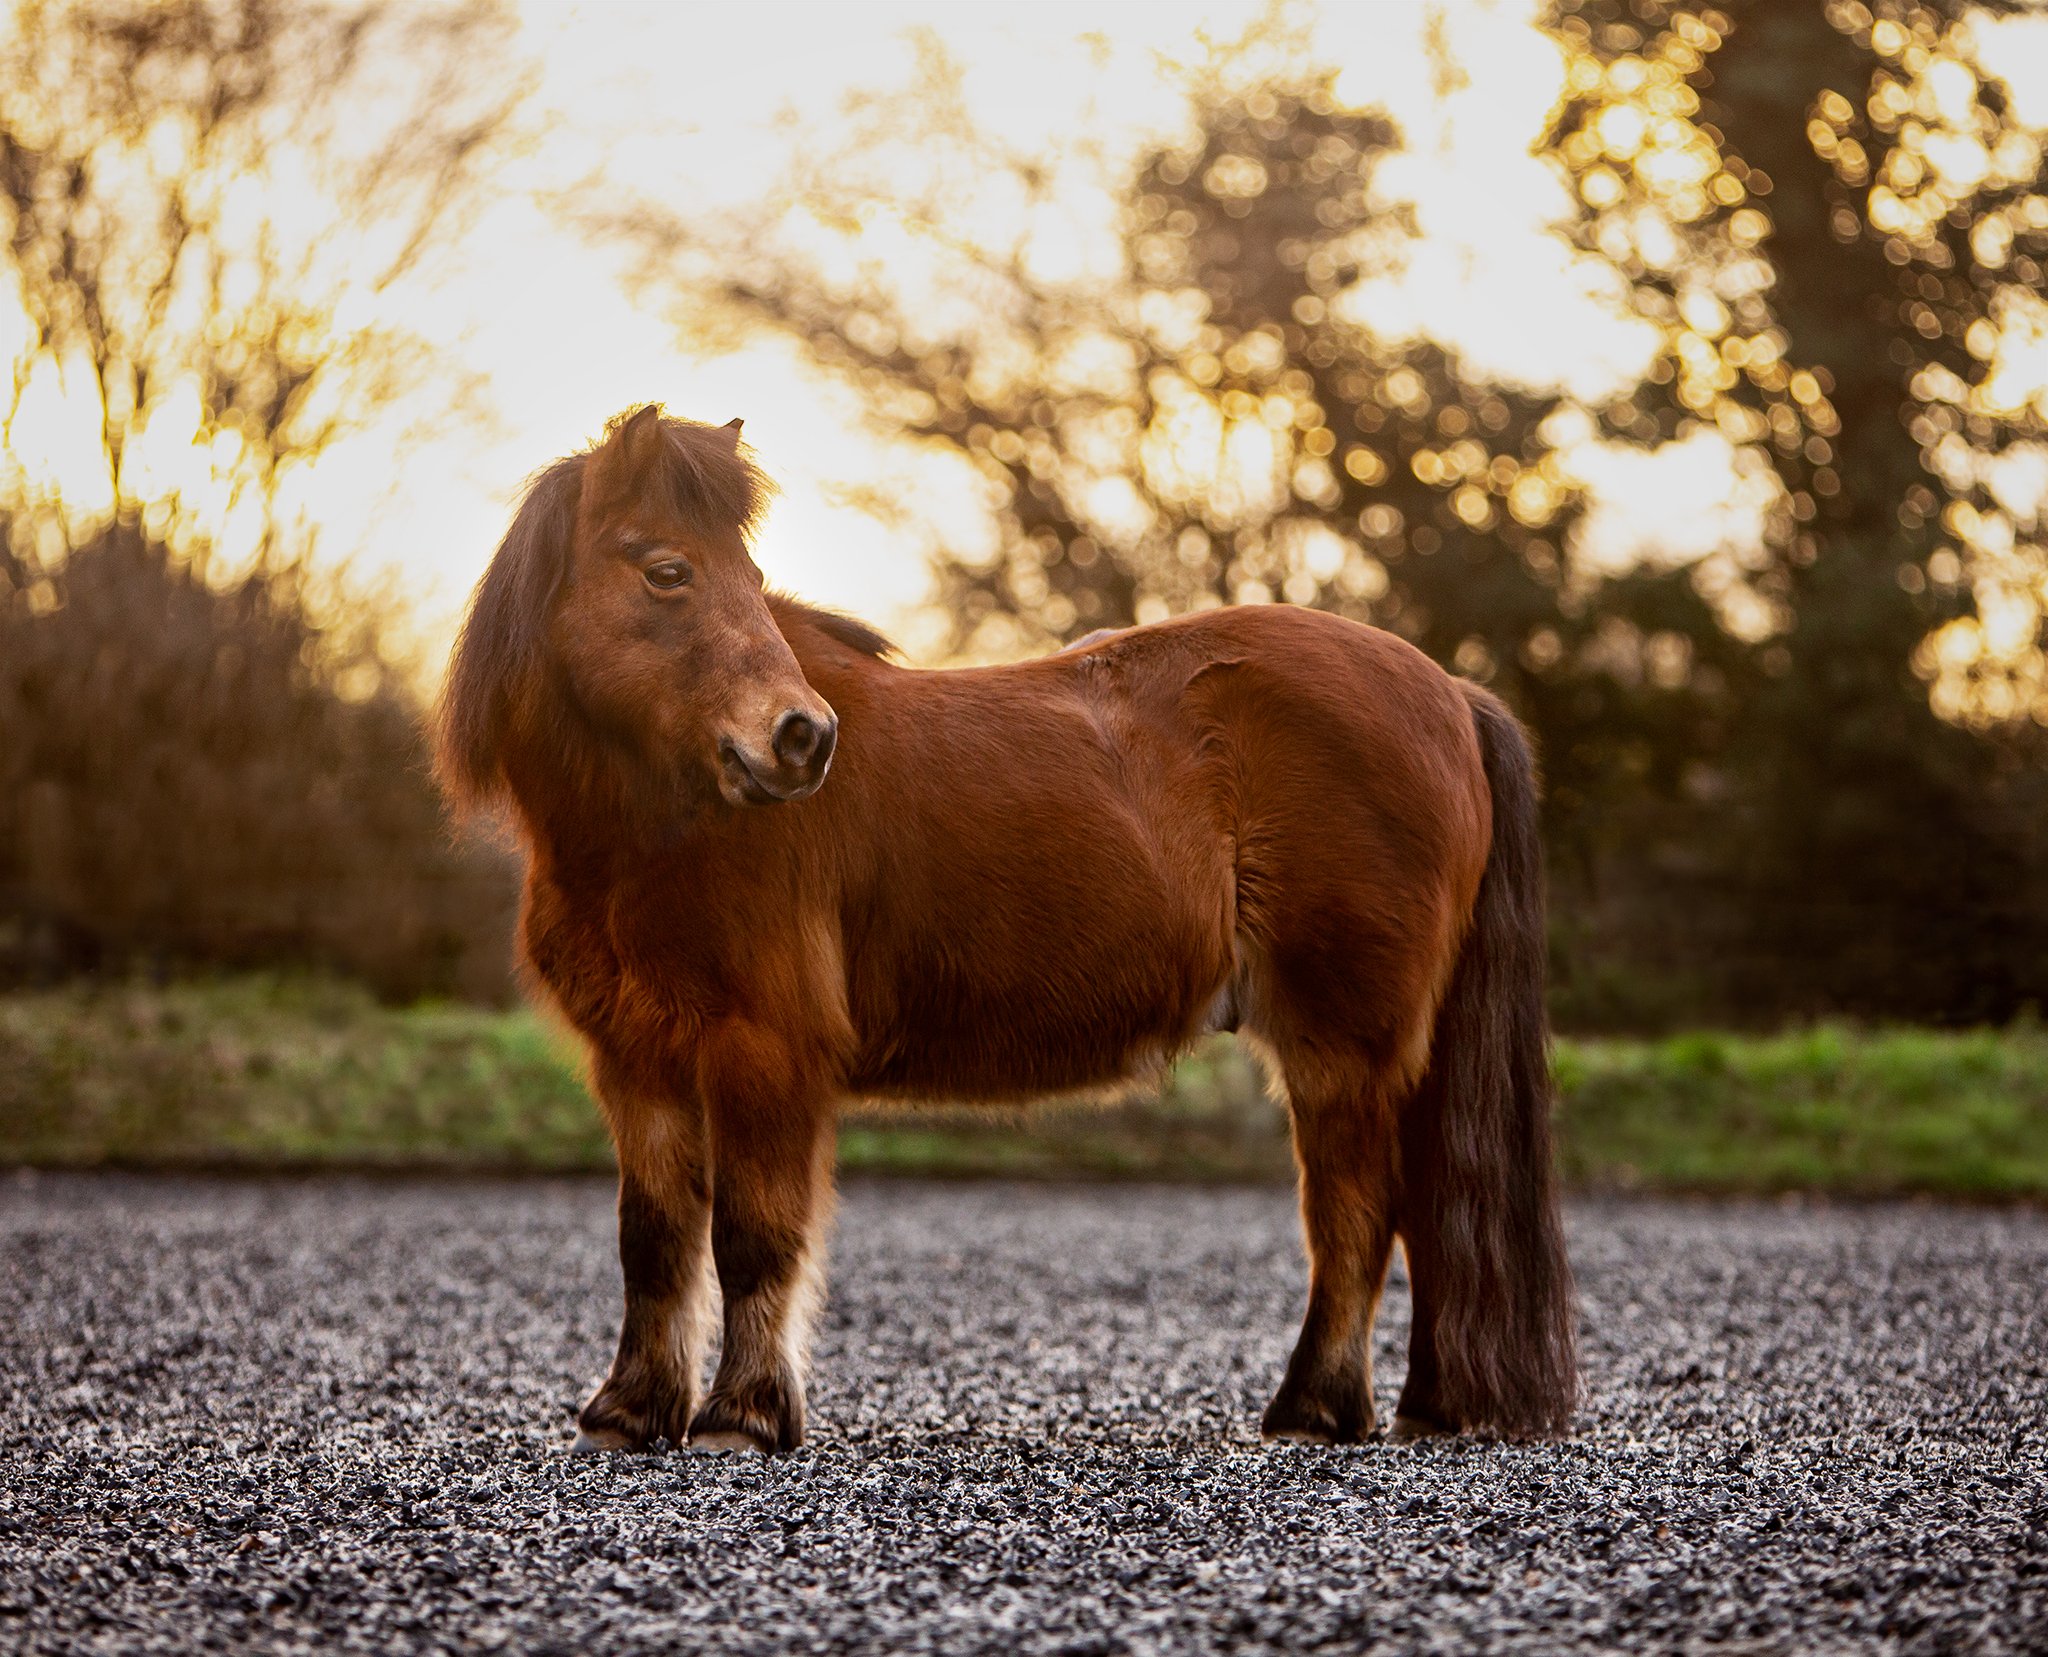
[768, 869]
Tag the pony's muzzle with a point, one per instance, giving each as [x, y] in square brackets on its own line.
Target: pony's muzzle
[804, 744]
[799, 754]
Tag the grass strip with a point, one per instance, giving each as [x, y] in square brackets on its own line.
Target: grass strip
[300, 1074]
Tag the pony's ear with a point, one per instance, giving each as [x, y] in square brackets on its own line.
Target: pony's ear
[733, 425]
[629, 455]
[499, 651]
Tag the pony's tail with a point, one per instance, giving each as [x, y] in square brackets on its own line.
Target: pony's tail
[1481, 1226]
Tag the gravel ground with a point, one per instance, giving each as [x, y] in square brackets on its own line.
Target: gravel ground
[331, 1414]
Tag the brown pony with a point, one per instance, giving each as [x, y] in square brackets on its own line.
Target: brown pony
[769, 869]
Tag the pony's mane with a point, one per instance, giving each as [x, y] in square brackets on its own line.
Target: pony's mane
[850, 631]
[500, 646]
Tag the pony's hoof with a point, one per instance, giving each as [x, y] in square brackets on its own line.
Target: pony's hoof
[764, 1413]
[1407, 1429]
[719, 1441]
[1301, 1417]
[1295, 1435]
[636, 1417]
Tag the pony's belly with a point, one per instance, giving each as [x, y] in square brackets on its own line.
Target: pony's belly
[968, 1071]
[1057, 1037]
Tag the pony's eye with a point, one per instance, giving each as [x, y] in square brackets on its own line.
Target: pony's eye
[668, 574]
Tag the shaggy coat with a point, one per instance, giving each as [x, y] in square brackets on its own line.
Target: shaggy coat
[769, 868]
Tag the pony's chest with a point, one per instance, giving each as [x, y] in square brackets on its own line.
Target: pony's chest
[616, 959]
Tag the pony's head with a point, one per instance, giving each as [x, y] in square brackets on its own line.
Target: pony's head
[623, 623]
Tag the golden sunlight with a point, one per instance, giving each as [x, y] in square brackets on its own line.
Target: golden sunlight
[532, 327]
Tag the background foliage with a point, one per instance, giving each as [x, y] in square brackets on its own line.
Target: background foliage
[209, 755]
[1798, 779]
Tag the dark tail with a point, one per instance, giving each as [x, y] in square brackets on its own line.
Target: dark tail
[1495, 1312]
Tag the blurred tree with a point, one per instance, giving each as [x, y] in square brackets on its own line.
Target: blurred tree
[204, 752]
[1836, 261]
[196, 774]
[201, 201]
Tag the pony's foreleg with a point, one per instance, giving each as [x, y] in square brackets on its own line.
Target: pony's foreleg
[769, 1212]
[665, 1256]
[1346, 1144]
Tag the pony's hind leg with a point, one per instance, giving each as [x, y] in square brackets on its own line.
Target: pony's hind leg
[769, 1211]
[1345, 1142]
[1420, 1412]
[664, 1255]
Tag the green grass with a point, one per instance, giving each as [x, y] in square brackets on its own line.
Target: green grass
[1836, 1109]
[287, 1073]
[296, 1074]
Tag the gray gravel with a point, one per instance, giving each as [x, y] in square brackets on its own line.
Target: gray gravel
[330, 1415]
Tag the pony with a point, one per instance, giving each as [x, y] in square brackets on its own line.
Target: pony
[769, 868]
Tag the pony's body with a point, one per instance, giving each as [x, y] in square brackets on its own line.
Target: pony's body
[975, 943]
[1018, 881]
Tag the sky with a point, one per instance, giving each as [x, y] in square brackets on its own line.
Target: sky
[701, 114]
[699, 108]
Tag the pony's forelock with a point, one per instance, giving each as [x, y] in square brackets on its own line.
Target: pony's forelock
[710, 479]
[707, 478]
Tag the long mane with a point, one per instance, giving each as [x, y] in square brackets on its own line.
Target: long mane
[712, 486]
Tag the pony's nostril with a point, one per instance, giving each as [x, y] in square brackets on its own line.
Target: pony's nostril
[797, 736]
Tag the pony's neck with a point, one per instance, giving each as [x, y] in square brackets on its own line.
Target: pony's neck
[589, 813]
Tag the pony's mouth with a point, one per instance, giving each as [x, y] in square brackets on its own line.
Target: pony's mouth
[744, 784]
